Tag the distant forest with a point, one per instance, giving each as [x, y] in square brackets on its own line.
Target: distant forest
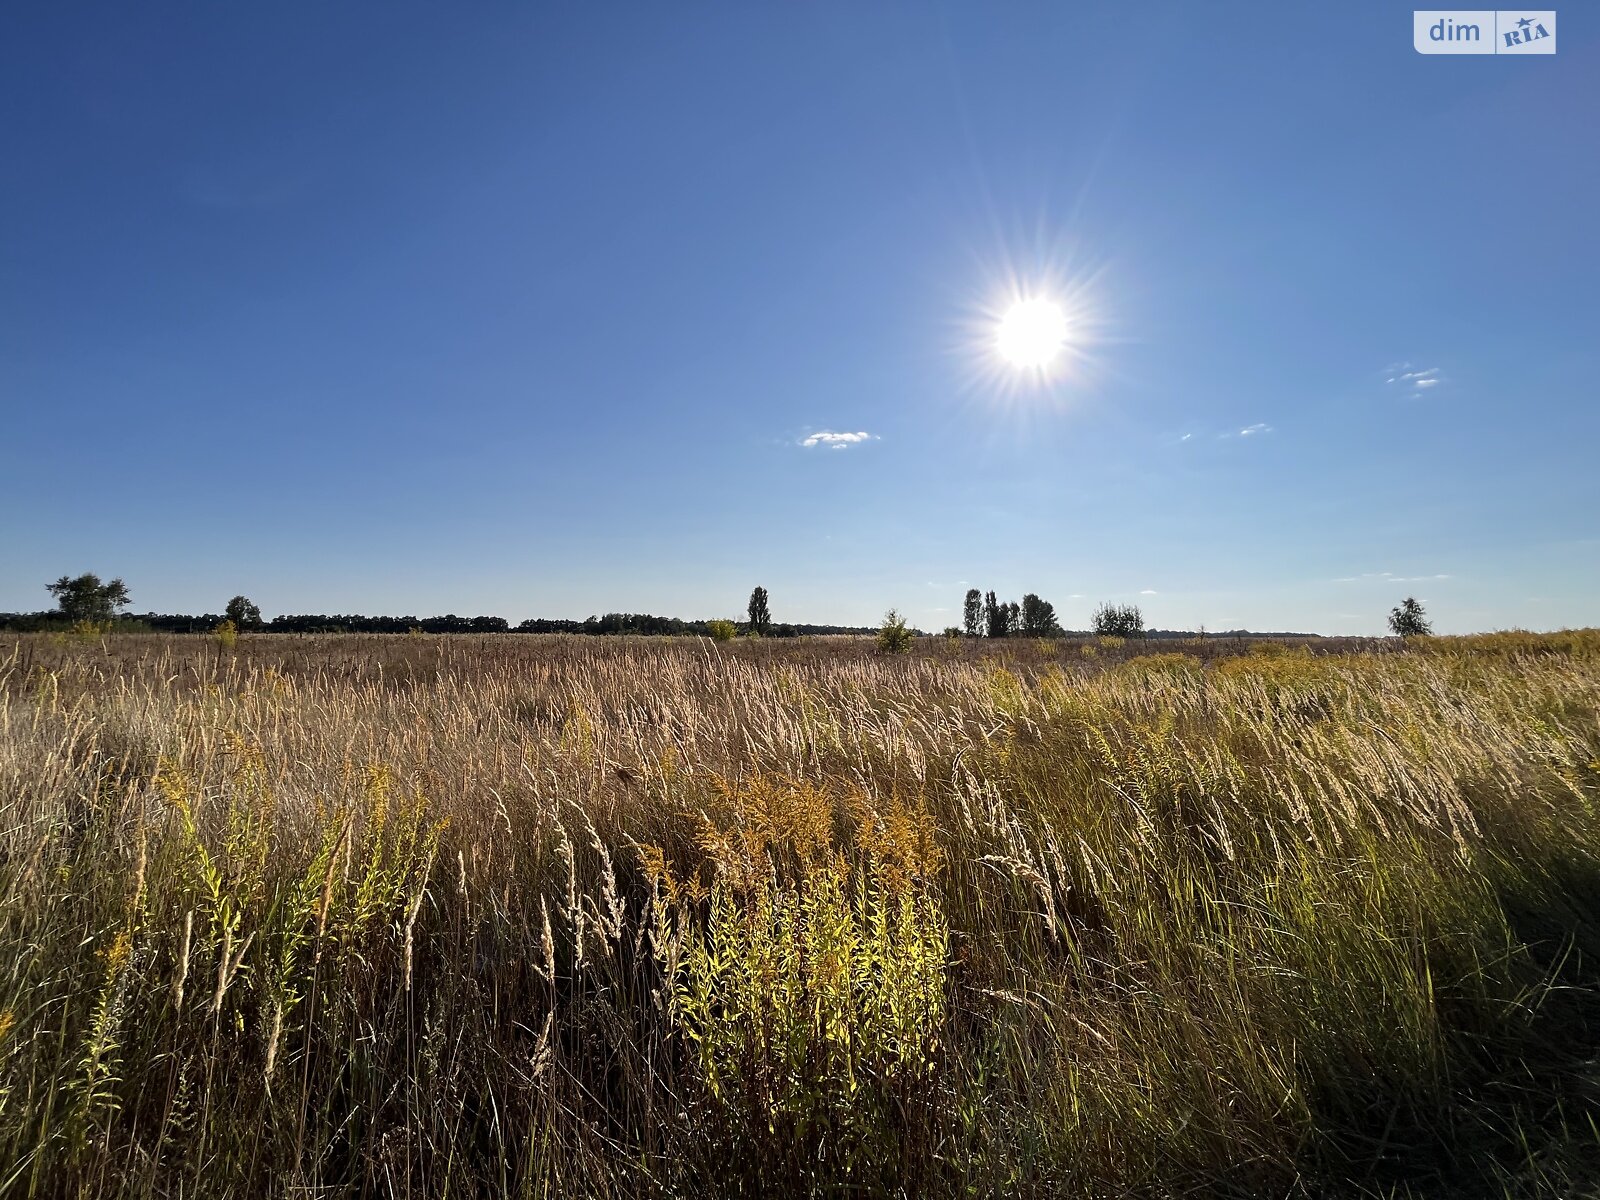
[610, 623]
[87, 604]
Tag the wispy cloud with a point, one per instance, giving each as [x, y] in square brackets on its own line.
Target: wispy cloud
[1412, 382]
[1255, 430]
[1148, 592]
[1186, 437]
[835, 441]
[1389, 577]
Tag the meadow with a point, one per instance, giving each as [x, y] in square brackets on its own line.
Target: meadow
[559, 916]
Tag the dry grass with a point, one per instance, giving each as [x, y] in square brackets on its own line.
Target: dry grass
[561, 916]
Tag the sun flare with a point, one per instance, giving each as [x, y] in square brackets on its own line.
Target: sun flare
[1031, 333]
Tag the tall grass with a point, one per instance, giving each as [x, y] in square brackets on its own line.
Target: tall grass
[545, 916]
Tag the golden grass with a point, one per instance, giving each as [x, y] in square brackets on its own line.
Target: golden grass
[565, 916]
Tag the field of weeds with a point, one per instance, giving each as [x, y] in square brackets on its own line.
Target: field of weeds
[496, 916]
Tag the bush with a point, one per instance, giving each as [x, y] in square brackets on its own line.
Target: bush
[721, 631]
[893, 636]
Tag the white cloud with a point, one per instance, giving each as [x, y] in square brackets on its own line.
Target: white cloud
[835, 441]
[1414, 382]
[1186, 437]
[1258, 427]
[1075, 596]
[1148, 592]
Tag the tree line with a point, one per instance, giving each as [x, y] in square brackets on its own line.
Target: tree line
[983, 614]
[86, 601]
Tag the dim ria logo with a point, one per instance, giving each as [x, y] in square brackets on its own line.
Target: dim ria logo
[1484, 31]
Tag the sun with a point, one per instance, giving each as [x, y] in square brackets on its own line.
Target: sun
[1032, 333]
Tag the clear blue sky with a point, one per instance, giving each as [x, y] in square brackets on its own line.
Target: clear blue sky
[530, 310]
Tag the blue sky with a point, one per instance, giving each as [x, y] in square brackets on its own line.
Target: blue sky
[531, 310]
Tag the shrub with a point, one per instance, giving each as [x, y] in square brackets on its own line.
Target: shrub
[721, 631]
[893, 636]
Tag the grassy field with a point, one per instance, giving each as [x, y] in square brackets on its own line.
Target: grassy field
[484, 916]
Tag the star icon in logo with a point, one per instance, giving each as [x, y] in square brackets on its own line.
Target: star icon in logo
[1524, 23]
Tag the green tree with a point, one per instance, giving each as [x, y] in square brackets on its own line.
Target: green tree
[721, 631]
[242, 613]
[1409, 619]
[1013, 619]
[760, 614]
[972, 613]
[995, 616]
[1119, 620]
[87, 599]
[893, 636]
[1039, 617]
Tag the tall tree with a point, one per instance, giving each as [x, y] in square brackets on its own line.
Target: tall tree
[1038, 617]
[243, 613]
[760, 614]
[1409, 619]
[972, 613]
[994, 616]
[1013, 619]
[87, 599]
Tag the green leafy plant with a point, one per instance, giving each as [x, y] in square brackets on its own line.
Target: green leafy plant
[894, 637]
